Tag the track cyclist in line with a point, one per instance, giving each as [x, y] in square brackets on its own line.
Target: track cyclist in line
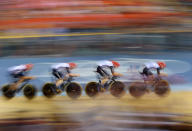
[148, 67]
[62, 71]
[103, 66]
[18, 74]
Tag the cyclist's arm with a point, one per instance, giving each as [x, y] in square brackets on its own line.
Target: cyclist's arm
[117, 74]
[29, 77]
[71, 74]
[58, 76]
[112, 69]
[160, 74]
[25, 78]
[158, 71]
[163, 74]
[68, 70]
[105, 72]
[114, 73]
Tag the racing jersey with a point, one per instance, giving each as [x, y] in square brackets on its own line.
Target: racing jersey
[152, 65]
[106, 65]
[61, 67]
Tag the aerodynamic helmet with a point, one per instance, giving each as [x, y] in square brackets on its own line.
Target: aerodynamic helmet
[161, 64]
[115, 64]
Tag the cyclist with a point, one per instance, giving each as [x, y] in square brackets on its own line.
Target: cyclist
[62, 71]
[103, 66]
[159, 65]
[18, 74]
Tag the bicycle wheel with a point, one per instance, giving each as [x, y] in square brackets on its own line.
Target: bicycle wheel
[137, 89]
[117, 89]
[92, 89]
[7, 92]
[74, 90]
[29, 91]
[162, 88]
[48, 90]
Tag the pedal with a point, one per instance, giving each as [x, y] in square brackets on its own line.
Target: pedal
[102, 89]
[58, 91]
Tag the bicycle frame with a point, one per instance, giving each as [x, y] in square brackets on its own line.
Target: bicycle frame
[64, 83]
[155, 81]
[20, 87]
[108, 82]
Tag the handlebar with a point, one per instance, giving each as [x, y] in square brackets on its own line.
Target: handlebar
[71, 78]
[28, 78]
[114, 77]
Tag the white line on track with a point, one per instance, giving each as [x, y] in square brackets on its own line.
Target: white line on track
[139, 114]
[142, 122]
[132, 129]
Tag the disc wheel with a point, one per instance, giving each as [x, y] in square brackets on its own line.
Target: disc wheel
[29, 91]
[117, 89]
[48, 90]
[74, 90]
[92, 89]
[7, 92]
[137, 89]
[162, 88]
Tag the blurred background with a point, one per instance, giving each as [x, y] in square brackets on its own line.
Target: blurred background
[132, 32]
[69, 27]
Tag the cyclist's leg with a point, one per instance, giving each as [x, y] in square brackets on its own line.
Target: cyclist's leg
[18, 79]
[149, 77]
[102, 77]
[151, 81]
[105, 76]
[59, 80]
[58, 76]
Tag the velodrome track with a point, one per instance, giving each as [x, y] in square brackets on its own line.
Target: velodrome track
[104, 112]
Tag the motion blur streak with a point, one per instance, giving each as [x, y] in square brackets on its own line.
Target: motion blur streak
[102, 113]
[132, 32]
